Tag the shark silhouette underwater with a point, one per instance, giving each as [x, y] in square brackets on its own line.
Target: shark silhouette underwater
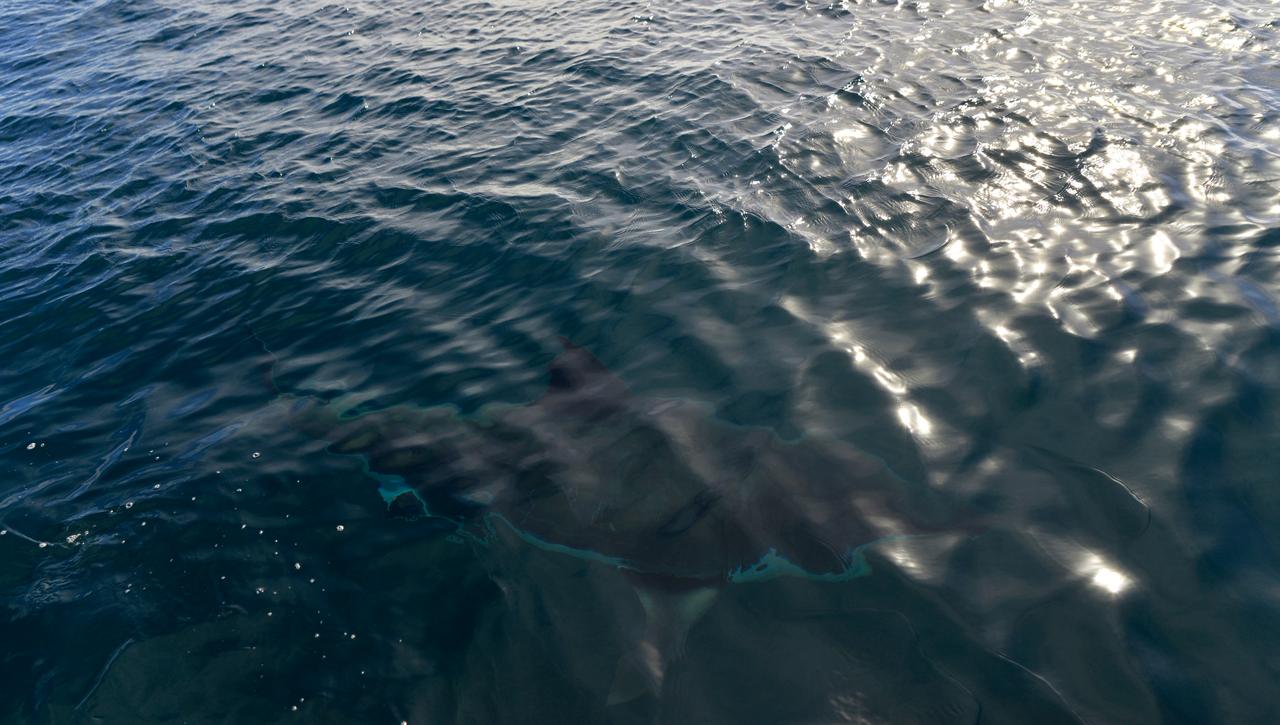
[681, 502]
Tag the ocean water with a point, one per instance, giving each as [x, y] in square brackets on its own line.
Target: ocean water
[683, 362]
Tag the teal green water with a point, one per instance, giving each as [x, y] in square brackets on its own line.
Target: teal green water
[639, 362]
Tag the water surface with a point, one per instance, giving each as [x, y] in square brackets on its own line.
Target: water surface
[1025, 255]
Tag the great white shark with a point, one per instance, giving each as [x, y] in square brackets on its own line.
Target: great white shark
[680, 501]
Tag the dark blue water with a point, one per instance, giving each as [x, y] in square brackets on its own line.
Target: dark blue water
[920, 362]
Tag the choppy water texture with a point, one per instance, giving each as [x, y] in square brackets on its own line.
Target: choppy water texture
[1010, 266]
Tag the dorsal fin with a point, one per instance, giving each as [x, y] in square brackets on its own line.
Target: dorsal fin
[576, 372]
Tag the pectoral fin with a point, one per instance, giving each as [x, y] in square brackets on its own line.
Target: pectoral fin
[668, 617]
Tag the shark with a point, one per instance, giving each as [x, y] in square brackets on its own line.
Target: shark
[681, 502]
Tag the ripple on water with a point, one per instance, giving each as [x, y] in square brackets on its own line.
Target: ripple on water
[1023, 253]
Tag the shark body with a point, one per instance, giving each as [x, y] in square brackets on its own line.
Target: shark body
[680, 501]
